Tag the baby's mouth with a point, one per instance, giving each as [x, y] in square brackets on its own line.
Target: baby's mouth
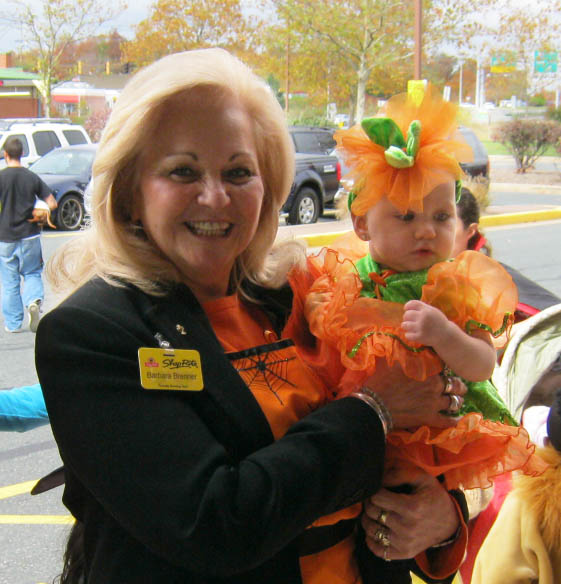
[209, 228]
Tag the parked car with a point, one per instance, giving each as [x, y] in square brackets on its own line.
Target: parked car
[40, 135]
[317, 174]
[312, 139]
[479, 167]
[67, 171]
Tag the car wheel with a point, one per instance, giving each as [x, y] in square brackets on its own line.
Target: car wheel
[305, 208]
[70, 213]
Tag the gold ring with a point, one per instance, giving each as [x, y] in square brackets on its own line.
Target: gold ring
[455, 404]
[382, 536]
[383, 517]
[447, 386]
[386, 559]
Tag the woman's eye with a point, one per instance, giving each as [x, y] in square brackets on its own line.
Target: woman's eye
[238, 174]
[406, 217]
[184, 173]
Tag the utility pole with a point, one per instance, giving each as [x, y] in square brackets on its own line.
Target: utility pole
[461, 88]
[418, 37]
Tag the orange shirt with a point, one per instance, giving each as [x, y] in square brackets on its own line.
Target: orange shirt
[287, 390]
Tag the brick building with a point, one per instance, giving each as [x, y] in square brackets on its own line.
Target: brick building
[19, 93]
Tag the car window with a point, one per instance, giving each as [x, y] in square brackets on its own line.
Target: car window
[65, 162]
[23, 141]
[74, 137]
[326, 142]
[306, 142]
[45, 141]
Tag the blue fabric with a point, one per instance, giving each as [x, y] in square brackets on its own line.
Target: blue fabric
[22, 408]
[20, 259]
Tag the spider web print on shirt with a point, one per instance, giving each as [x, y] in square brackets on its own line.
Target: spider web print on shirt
[265, 366]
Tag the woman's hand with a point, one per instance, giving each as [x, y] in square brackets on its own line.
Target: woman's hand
[417, 403]
[409, 523]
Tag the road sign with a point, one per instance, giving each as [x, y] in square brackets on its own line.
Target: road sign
[545, 62]
[503, 63]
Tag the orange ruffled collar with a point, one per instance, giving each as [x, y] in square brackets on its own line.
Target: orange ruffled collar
[436, 158]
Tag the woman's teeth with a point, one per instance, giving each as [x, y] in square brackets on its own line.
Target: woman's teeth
[209, 228]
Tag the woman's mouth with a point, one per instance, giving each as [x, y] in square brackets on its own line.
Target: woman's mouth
[209, 228]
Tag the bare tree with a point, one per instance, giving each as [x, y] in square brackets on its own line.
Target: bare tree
[50, 26]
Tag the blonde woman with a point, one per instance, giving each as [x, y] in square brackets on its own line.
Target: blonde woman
[197, 446]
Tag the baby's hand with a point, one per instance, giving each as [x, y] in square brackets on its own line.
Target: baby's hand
[424, 323]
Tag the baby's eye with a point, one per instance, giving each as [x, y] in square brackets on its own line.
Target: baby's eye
[407, 217]
[443, 216]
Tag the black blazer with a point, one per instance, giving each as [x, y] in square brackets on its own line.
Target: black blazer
[175, 486]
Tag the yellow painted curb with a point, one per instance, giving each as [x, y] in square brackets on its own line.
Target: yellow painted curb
[522, 217]
[323, 239]
[36, 519]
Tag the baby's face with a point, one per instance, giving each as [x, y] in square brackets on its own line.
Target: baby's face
[411, 241]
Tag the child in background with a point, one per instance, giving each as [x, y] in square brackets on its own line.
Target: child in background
[524, 544]
[22, 408]
[397, 299]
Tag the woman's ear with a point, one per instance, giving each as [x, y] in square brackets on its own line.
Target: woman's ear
[360, 226]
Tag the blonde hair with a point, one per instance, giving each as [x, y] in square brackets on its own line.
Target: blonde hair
[112, 247]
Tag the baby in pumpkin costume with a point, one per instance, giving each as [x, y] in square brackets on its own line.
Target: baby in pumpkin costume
[390, 293]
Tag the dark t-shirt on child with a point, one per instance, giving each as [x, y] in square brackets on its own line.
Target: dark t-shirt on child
[19, 188]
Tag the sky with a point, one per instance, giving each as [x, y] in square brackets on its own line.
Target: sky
[11, 38]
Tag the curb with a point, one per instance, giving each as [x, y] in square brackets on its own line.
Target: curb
[521, 217]
[323, 239]
[523, 187]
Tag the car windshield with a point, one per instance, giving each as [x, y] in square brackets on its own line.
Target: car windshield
[65, 162]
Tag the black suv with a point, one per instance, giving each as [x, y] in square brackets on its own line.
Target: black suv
[317, 174]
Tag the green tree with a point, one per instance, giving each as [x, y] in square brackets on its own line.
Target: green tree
[354, 37]
[179, 25]
[51, 26]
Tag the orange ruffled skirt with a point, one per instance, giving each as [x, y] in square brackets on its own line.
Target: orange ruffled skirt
[350, 333]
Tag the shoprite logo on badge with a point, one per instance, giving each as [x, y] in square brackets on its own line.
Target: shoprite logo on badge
[170, 369]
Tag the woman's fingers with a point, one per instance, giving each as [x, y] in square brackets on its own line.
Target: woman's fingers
[414, 521]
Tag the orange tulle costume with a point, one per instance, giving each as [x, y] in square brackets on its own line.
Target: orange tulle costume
[352, 328]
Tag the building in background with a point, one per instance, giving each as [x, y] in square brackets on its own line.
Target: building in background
[19, 93]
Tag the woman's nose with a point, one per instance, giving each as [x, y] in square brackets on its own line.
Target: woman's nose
[213, 194]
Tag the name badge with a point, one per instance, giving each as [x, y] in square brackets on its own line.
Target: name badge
[170, 369]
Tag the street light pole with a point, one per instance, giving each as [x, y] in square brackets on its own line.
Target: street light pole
[418, 37]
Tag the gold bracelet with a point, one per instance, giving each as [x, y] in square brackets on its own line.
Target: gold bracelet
[374, 401]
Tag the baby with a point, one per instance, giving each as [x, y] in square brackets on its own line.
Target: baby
[398, 299]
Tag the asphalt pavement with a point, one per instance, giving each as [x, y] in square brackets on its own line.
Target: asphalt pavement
[508, 208]
[33, 530]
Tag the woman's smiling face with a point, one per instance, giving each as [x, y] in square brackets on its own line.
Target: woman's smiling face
[200, 188]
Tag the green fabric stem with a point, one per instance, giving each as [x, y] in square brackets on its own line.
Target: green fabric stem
[474, 324]
[355, 349]
[413, 138]
[397, 158]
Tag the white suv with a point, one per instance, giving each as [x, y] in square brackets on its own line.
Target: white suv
[40, 135]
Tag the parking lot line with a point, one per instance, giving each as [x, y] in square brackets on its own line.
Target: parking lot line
[36, 519]
[17, 489]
